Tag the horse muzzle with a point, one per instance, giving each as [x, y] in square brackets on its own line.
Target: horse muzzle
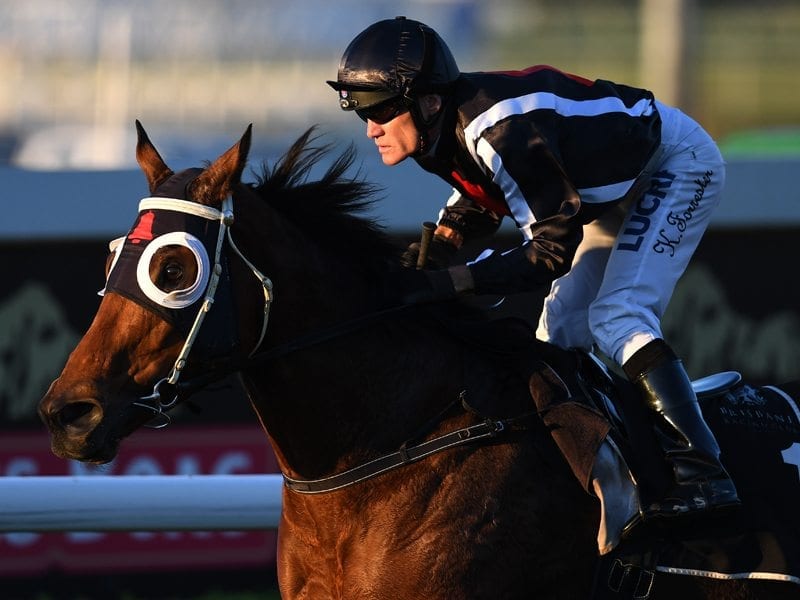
[73, 424]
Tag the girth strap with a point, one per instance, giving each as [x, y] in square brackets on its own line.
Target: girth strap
[406, 455]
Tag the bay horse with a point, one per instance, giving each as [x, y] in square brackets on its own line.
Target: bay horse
[415, 464]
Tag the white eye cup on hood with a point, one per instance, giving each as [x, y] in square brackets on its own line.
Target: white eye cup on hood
[115, 247]
[176, 298]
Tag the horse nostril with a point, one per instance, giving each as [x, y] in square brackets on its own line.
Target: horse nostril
[80, 416]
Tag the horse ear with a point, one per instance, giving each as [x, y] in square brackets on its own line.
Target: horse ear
[154, 167]
[218, 181]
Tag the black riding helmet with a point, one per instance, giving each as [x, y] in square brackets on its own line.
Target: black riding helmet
[395, 59]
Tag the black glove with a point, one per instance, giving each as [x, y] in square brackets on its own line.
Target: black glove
[525, 268]
[440, 253]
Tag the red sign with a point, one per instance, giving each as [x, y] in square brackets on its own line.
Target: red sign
[219, 450]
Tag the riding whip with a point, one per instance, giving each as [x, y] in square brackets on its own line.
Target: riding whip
[425, 243]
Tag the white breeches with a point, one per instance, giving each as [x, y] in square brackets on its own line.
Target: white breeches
[626, 268]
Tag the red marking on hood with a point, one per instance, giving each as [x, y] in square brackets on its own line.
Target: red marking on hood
[144, 229]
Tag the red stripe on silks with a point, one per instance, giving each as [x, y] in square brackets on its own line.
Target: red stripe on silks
[481, 196]
[144, 229]
[536, 68]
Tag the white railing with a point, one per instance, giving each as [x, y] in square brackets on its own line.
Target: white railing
[140, 503]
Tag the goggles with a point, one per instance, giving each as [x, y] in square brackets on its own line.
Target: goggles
[384, 112]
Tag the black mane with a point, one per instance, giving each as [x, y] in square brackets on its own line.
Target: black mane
[329, 209]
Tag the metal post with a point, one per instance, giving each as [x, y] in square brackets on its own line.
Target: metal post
[664, 63]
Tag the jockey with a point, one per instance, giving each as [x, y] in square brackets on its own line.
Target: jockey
[611, 191]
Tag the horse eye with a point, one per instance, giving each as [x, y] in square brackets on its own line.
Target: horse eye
[173, 272]
[173, 268]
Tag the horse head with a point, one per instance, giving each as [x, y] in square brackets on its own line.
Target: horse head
[203, 240]
[158, 277]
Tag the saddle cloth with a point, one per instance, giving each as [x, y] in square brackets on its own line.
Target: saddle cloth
[758, 430]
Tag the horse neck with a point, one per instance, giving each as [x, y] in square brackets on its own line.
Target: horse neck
[353, 398]
[311, 288]
[329, 403]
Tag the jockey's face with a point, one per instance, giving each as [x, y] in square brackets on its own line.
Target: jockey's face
[399, 138]
[396, 139]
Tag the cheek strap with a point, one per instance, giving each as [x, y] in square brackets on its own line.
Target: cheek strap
[164, 394]
[226, 220]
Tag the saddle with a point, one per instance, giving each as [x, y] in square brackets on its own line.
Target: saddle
[758, 430]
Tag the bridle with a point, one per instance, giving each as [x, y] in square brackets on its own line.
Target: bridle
[165, 395]
[169, 390]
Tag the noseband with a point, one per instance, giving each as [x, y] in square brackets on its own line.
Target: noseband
[165, 392]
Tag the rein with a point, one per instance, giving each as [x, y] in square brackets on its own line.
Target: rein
[220, 371]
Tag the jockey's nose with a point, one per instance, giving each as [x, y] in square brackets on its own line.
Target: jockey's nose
[373, 129]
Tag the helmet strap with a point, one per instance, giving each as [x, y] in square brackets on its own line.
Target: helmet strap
[424, 125]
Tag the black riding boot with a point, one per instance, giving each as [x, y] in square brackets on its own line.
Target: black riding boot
[700, 482]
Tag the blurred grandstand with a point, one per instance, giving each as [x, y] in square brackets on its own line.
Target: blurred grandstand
[77, 73]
